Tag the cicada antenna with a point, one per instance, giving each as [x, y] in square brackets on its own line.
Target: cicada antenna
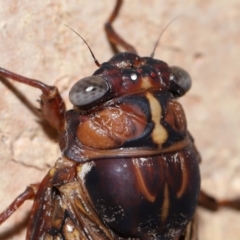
[95, 60]
[160, 35]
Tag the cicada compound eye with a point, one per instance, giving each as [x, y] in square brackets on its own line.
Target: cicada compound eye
[88, 90]
[181, 81]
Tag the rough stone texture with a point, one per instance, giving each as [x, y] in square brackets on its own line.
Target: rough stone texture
[205, 41]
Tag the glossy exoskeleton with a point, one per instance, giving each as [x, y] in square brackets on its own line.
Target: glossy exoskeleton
[129, 167]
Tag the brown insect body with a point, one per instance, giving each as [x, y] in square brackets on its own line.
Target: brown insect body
[129, 167]
[120, 153]
[136, 196]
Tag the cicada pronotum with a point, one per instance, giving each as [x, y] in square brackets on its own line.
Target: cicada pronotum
[148, 229]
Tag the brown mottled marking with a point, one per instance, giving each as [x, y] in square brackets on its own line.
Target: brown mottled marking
[165, 206]
[159, 134]
[175, 116]
[111, 127]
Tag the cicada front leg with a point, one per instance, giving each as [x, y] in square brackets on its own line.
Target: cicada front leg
[51, 103]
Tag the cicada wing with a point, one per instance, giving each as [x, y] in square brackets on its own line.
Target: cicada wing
[82, 213]
[62, 209]
[51, 218]
[191, 232]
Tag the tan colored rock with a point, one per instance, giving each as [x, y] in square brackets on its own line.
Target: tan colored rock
[205, 41]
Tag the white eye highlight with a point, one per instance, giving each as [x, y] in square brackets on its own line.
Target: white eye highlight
[89, 89]
[171, 78]
[133, 76]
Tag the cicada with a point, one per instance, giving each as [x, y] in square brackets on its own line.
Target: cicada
[129, 167]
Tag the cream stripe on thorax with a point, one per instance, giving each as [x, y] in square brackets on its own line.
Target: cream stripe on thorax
[159, 134]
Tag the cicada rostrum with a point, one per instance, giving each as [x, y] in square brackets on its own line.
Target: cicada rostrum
[129, 167]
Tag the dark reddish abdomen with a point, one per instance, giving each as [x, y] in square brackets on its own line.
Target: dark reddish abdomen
[144, 197]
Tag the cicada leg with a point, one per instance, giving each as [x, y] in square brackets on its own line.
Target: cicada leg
[113, 37]
[213, 204]
[28, 194]
[52, 105]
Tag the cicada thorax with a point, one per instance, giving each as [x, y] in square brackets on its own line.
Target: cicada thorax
[142, 174]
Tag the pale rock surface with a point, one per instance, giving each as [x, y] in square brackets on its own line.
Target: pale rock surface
[205, 41]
